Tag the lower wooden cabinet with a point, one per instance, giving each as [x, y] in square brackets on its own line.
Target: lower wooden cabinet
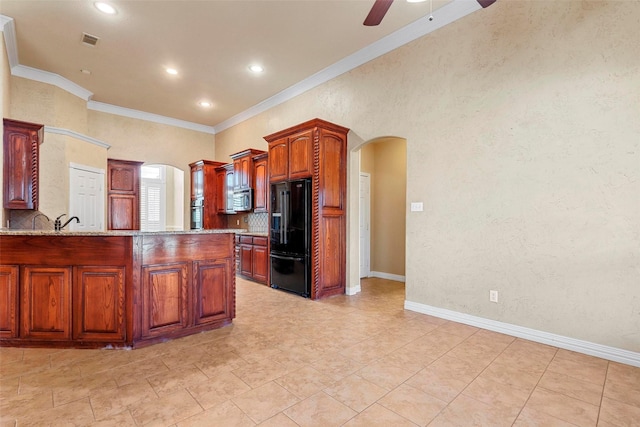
[46, 303]
[9, 301]
[211, 284]
[164, 298]
[98, 298]
[127, 290]
[253, 258]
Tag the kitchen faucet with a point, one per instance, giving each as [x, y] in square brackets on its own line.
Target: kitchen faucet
[58, 226]
[33, 220]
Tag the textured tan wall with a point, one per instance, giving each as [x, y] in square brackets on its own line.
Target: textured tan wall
[130, 139]
[522, 127]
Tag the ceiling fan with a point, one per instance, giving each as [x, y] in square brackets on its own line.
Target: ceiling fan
[380, 8]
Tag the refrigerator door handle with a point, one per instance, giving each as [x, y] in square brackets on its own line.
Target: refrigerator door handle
[289, 258]
[285, 212]
[282, 217]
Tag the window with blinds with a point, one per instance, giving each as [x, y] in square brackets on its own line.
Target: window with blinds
[152, 198]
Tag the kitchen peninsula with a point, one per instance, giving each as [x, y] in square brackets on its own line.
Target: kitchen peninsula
[117, 288]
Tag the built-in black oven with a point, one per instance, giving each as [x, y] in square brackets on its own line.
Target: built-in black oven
[197, 211]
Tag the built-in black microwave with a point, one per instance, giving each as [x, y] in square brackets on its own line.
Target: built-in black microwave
[243, 200]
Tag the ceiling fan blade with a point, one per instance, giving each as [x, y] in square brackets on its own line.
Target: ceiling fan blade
[486, 3]
[377, 12]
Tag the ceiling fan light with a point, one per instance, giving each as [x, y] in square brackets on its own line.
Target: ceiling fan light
[105, 8]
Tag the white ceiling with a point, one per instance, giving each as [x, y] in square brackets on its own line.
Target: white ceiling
[210, 42]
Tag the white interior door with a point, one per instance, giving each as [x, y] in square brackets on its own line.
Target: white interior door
[86, 198]
[365, 224]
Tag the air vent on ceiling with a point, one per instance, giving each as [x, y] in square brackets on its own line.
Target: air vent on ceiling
[89, 40]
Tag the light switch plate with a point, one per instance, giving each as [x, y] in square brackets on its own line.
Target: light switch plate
[417, 207]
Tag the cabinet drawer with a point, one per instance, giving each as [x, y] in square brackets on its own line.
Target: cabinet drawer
[260, 241]
[246, 239]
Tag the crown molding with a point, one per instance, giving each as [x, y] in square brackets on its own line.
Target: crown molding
[9, 30]
[445, 15]
[52, 79]
[76, 135]
[149, 117]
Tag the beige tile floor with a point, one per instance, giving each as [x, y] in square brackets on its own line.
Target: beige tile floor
[352, 361]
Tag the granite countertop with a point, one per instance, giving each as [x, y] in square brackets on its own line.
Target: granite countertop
[11, 232]
[254, 233]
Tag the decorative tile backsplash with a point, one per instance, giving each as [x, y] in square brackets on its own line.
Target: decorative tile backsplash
[24, 220]
[259, 222]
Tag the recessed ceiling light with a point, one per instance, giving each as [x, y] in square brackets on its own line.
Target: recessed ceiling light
[205, 104]
[416, 1]
[105, 8]
[256, 68]
[172, 71]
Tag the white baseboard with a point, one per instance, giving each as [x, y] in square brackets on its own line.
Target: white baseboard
[352, 290]
[387, 276]
[567, 343]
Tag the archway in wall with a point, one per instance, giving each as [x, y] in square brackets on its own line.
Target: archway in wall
[161, 198]
[383, 162]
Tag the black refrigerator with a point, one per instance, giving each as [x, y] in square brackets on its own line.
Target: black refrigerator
[290, 234]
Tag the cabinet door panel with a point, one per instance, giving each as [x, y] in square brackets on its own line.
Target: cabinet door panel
[46, 303]
[332, 172]
[164, 299]
[8, 301]
[246, 260]
[229, 191]
[123, 180]
[221, 191]
[260, 263]
[278, 160]
[197, 182]
[20, 151]
[123, 212]
[331, 256]
[211, 290]
[261, 194]
[301, 155]
[99, 304]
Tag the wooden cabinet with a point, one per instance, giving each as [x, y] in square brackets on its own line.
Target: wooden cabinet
[21, 142]
[164, 299]
[261, 177]
[253, 257]
[98, 304]
[205, 186]
[46, 303]
[224, 184]
[212, 285]
[291, 157]
[317, 149]
[9, 301]
[123, 194]
[75, 290]
[243, 169]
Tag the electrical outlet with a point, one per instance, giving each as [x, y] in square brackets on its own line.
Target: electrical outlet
[237, 222]
[493, 296]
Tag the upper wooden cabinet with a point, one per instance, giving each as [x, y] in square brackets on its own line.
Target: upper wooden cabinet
[205, 189]
[224, 184]
[261, 177]
[21, 141]
[317, 149]
[291, 157]
[123, 194]
[243, 169]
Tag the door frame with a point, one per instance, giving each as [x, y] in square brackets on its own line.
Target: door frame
[365, 249]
